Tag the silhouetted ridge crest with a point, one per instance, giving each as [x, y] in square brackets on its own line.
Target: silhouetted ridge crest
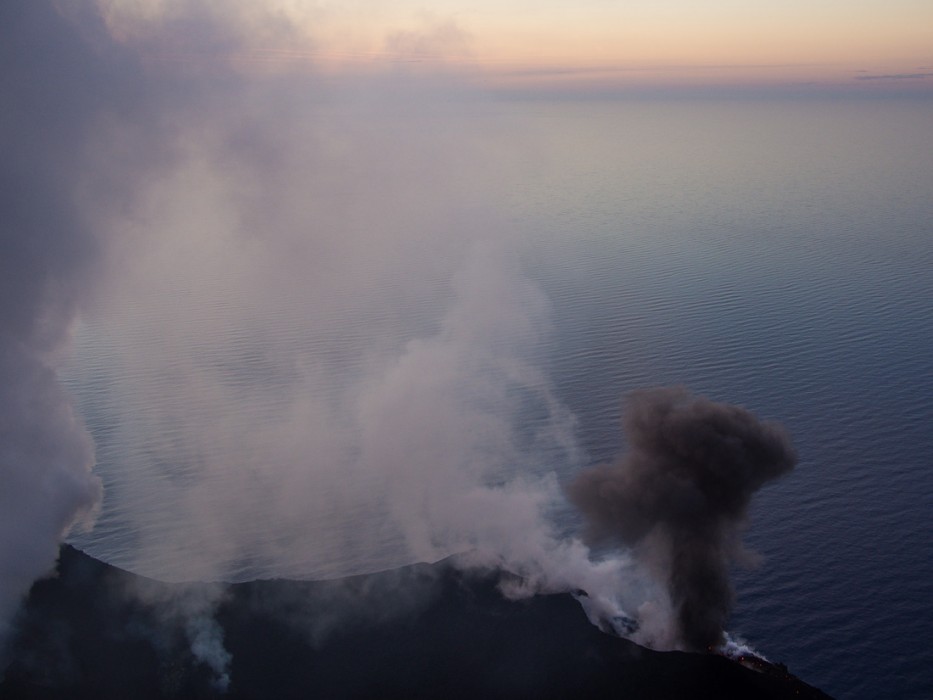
[81, 636]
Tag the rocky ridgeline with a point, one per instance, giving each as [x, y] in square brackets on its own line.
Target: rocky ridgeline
[95, 631]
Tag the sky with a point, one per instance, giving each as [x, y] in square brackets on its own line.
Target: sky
[591, 45]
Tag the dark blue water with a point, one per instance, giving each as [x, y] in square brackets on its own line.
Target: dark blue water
[780, 257]
[777, 255]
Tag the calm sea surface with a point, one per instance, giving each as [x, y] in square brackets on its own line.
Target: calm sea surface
[777, 255]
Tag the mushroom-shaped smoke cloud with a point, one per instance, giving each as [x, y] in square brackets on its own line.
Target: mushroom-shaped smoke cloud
[679, 497]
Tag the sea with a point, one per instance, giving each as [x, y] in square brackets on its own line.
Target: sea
[775, 253]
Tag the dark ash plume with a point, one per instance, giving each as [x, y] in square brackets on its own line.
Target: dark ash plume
[679, 497]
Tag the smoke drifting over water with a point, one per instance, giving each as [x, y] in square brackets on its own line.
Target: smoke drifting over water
[305, 331]
[315, 331]
[308, 346]
[679, 497]
[57, 91]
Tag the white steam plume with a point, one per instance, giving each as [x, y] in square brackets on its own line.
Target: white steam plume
[189, 608]
[321, 351]
[312, 344]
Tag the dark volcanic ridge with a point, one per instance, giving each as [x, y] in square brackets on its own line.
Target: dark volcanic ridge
[95, 631]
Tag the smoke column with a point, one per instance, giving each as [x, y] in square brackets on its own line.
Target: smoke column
[190, 210]
[679, 497]
[51, 94]
[312, 320]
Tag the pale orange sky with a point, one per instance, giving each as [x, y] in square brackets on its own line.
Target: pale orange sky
[519, 42]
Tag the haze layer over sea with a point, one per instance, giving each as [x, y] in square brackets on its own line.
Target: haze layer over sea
[773, 253]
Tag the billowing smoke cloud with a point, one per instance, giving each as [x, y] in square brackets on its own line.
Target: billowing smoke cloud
[305, 338]
[679, 496]
[315, 329]
[310, 348]
[57, 88]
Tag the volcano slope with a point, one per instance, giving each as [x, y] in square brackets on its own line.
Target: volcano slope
[428, 630]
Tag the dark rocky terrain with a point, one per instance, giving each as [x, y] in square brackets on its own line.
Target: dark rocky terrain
[421, 631]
